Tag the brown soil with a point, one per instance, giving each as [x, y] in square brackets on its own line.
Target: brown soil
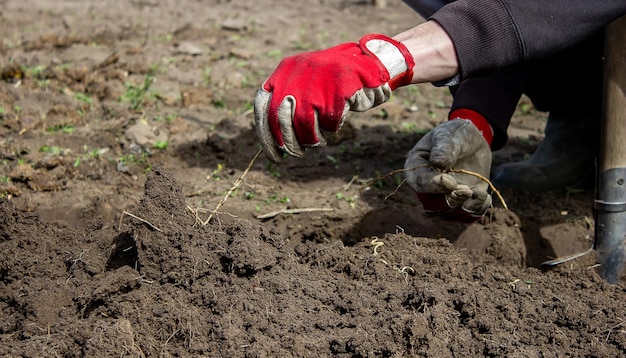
[123, 123]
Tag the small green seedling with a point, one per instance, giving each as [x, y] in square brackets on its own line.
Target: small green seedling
[160, 144]
[134, 94]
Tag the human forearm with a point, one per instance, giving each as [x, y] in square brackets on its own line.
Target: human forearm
[433, 51]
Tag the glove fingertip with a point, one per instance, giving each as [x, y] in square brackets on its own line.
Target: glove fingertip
[441, 157]
[446, 182]
[269, 148]
[272, 154]
[264, 133]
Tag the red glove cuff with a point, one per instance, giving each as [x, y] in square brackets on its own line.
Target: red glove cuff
[478, 119]
[400, 74]
[436, 204]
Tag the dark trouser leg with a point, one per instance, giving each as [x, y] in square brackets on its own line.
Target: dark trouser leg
[569, 87]
[495, 96]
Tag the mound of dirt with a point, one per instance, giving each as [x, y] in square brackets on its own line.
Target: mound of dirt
[163, 284]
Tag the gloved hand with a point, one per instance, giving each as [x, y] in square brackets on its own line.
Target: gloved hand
[455, 144]
[311, 93]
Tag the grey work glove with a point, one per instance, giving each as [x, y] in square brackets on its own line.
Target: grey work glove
[455, 144]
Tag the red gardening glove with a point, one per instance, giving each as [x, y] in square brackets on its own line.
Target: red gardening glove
[311, 93]
[461, 143]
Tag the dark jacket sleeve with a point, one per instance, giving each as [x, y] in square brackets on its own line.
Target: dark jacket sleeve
[491, 34]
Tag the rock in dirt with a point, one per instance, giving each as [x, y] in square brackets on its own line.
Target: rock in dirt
[187, 48]
[144, 135]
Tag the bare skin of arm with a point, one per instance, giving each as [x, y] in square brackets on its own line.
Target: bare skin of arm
[433, 51]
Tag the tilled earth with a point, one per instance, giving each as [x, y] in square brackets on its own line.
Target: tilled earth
[124, 124]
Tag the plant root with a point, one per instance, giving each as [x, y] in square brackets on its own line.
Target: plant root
[232, 188]
[370, 182]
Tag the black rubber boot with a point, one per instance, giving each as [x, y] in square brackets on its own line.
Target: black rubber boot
[565, 159]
